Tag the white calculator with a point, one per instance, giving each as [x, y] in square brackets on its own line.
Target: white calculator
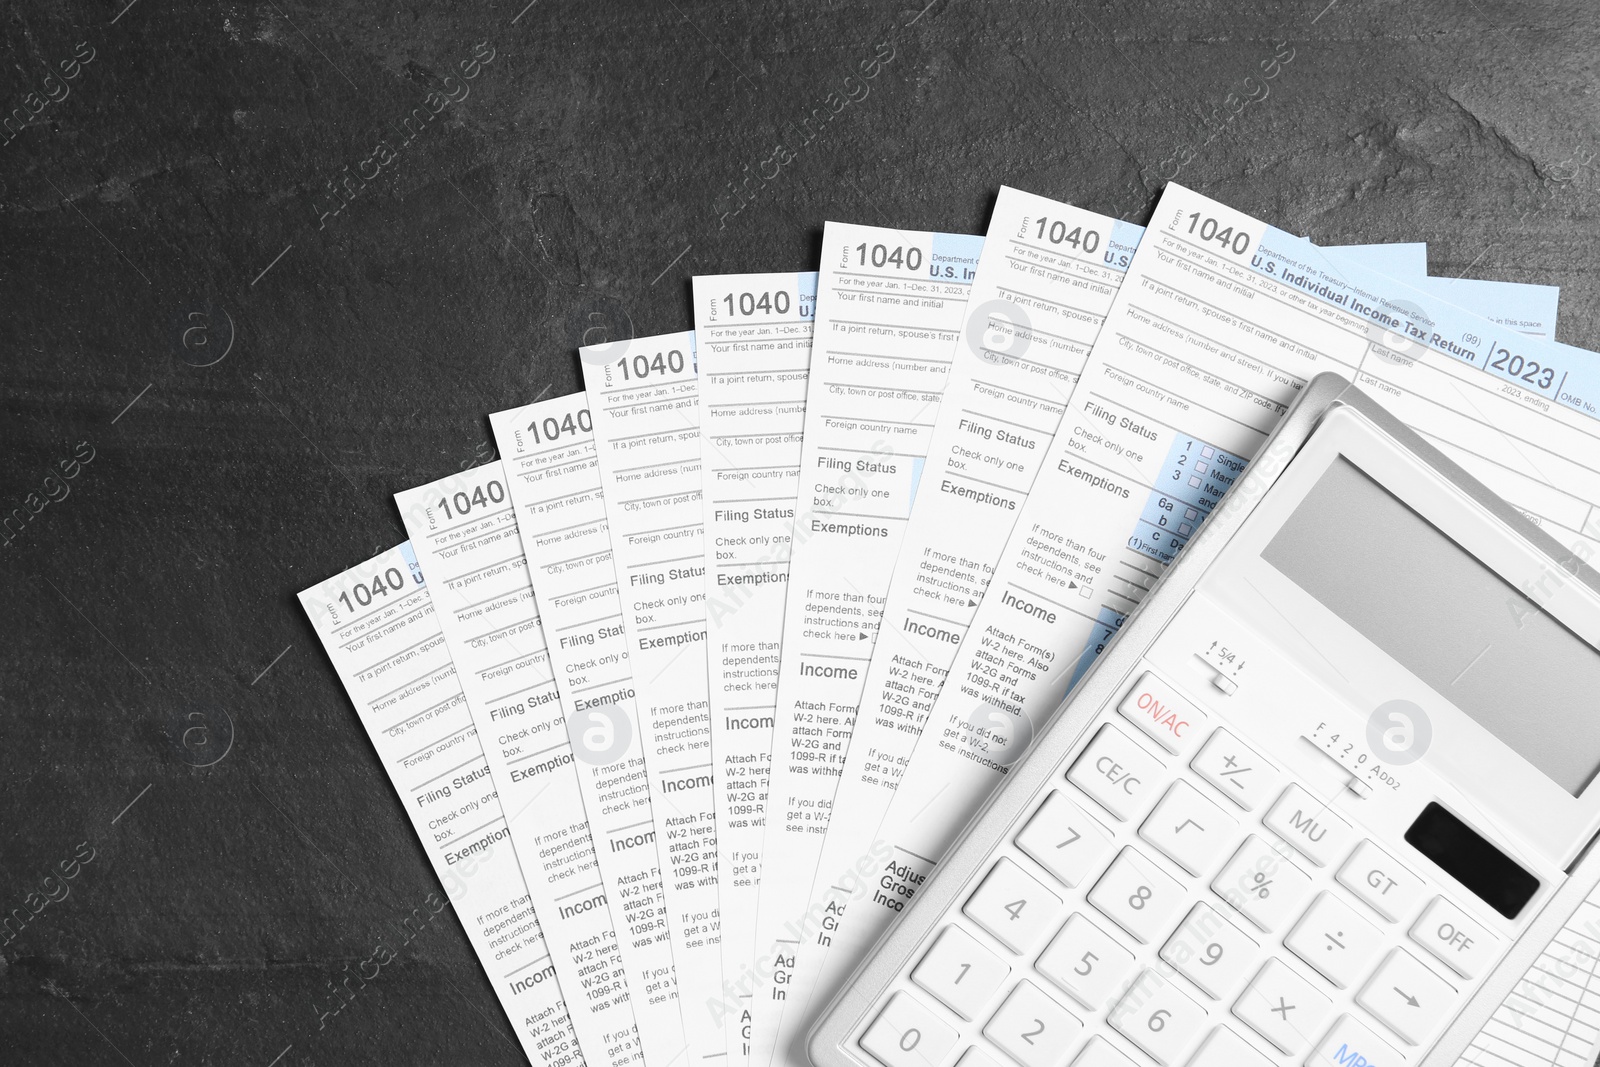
[1321, 802]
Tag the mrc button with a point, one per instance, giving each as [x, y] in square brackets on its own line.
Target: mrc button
[1169, 720]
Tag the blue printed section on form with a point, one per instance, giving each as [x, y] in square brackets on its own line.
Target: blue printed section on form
[1107, 623]
[1192, 480]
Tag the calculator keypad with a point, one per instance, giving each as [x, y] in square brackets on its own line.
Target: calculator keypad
[1152, 913]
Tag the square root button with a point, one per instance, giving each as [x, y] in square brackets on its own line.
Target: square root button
[1162, 715]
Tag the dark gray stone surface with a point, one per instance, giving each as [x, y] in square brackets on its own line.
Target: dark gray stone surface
[254, 374]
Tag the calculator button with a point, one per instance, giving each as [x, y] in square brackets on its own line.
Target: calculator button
[1116, 772]
[1224, 1048]
[960, 973]
[1261, 885]
[1099, 1053]
[1235, 769]
[1209, 951]
[1137, 896]
[1188, 829]
[1454, 939]
[1158, 1017]
[1013, 906]
[1033, 1029]
[1335, 941]
[1385, 886]
[1407, 997]
[1164, 717]
[1283, 1008]
[1084, 962]
[1310, 825]
[907, 1034]
[1350, 1043]
[976, 1057]
[1065, 841]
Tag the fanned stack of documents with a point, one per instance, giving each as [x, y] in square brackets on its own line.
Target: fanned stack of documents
[689, 691]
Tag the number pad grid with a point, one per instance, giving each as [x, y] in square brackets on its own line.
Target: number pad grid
[1083, 971]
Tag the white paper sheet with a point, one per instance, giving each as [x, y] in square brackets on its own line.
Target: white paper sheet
[889, 304]
[1203, 349]
[378, 625]
[1552, 1017]
[753, 333]
[553, 477]
[644, 398]
[464, 532]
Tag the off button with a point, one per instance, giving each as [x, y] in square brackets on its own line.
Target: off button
[1454, 939]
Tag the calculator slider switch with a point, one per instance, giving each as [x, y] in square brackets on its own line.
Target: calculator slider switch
[1163, 716]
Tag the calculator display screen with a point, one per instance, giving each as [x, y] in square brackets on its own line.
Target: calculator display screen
[1443, 615]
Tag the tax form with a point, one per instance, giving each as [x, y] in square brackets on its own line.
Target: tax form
[644, 399]
[464, 532]
[553, 479]
[889, 305]
[379, 628]
[1205, 344]
[1045, 281]
[754, 338]
[1552, 1016]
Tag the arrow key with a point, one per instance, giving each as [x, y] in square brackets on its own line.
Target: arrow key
[1407, 997]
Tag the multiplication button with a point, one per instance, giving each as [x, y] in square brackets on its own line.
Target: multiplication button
[1237, 770]
[1116, 772]
[1283, 1007]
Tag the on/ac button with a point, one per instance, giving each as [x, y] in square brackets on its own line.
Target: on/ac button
[1166, 718]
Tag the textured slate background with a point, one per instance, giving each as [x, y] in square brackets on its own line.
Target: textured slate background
[255, 380]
